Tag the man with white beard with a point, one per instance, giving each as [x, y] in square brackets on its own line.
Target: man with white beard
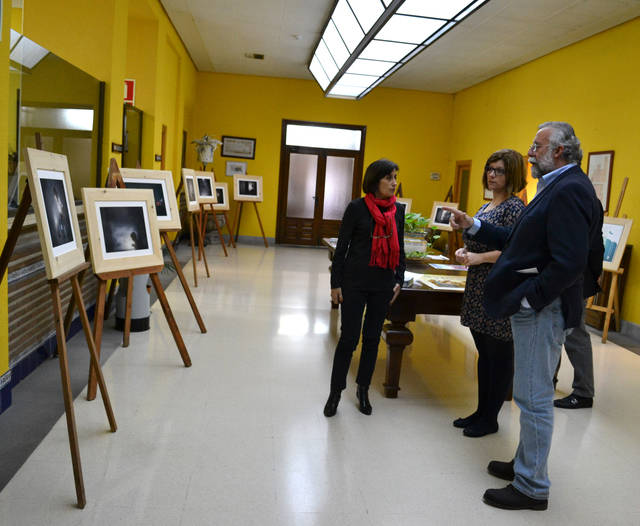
[551, 260]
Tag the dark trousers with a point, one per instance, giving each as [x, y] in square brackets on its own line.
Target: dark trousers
[352, 307]
[495, 374]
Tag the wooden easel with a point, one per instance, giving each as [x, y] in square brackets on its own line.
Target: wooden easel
[211, 210]
[195, 216]
[239, 217]
[61, 331]
[612, 306]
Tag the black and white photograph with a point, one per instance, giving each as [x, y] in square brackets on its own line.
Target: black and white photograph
[204, 187]
[124, 229]
[439, 216]
[222, 195]
[159, 193]
[249, 188]
[58, 211]
[191, 191]
[442, 215]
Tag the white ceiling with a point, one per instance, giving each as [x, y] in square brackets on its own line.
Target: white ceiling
[502, 35]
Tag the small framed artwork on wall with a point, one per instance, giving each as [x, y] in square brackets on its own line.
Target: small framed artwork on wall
[236, 167]
[242, 147]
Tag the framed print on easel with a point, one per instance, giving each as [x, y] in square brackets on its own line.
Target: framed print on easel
[207, 199]
[440, 216]
[248, 188]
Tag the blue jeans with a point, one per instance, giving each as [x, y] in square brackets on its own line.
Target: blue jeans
[537, 339]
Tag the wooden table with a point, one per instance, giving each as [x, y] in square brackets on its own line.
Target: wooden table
[413, 300]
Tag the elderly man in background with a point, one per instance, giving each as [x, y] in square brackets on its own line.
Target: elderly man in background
[551, 260]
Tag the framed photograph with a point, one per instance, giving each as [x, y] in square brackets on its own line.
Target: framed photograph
[406, 201]
[443, 282]
[160, 182]
[189, 189]
[222, 195]
[238, 147]
[247, 188]
[205, 183]
[236, 167]
[58, 228]
[615, 232]
[439, 216]
[123, 229]
[599, 170]
[488, 194]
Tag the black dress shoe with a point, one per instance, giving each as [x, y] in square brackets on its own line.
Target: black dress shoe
[363, 400]
[502, 470]
[466, 421]
[331, 406]
[573, 402]
[480, 428]
[510, 498]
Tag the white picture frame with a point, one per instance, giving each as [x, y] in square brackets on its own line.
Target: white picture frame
[615, 232]
[189, 189]
[222, 197]
[205, 184]
[247, 188]
[406, 201]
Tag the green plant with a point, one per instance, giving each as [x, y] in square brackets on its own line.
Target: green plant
[415, 222]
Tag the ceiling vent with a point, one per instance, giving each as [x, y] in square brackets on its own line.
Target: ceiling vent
[254, 56]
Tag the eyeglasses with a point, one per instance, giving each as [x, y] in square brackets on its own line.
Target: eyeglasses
[496, 171]
[535, 146]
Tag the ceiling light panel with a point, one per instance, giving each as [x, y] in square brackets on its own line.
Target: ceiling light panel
[366, 41]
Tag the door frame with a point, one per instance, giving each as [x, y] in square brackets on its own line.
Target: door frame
[283, 179]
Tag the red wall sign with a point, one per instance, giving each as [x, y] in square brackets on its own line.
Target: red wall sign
[129, 91]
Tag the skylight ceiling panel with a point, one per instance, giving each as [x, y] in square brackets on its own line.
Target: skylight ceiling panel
[390, 51]
[370, 67]
[326, 60]
[433, 8]
[367, 12]
[402, 28]
[362, 81]
[342, 90]
[318, 72]
[335, 44]
[347, 25]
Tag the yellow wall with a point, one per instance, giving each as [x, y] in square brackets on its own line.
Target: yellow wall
[594, 86]
[4, 152]
[411, 128]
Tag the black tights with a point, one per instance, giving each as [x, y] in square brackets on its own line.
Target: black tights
[353, 305]
[495, 374]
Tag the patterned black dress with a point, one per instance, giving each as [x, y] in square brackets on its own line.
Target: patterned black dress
[473, 314]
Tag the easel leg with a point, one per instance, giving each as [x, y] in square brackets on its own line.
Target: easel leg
[199, 229]
[183, 280]
[255, 207]
[170, 320]
[238, 218]
[66, 393]
[98, 323]
[607, 318]
[222, 242]
[95, 364]
[229, 228]
[616, 307]
[127, 312]
[112, 291]
[193, 251]
[201, 249]
[203, 226]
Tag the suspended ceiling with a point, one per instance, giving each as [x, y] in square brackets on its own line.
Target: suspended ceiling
[500, 36]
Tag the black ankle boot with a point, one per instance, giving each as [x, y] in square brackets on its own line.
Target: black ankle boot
[363, 400]
[331, 406]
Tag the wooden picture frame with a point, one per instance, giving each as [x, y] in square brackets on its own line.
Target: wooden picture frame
[123, 229]
[242, 147]
[247, 188]
[160, 182]
[54, 207]
[189, 189]
[222, 196]
[439, 217]
[236, 167]
[487, 194]
[615, 232]
[406, 201]
[205, 183]
[599, 171]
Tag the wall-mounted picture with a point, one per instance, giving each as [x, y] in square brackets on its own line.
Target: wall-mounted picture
[222, 194]
[615, 232]
[205, 183]
[440, 216]
[58, 228]
[406, 201]
[599, 171]
[247, 188]
[236, 167]
[189, 189]
[242, 147]
[160, 182]
[123, 229]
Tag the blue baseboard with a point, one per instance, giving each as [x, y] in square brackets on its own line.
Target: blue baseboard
[30, 363]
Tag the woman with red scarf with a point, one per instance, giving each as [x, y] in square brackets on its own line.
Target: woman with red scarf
[366, 275]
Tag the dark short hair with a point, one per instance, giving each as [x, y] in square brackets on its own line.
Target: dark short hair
[515, 171]
[375, 171]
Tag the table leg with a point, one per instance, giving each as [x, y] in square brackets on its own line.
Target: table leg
[397, 337]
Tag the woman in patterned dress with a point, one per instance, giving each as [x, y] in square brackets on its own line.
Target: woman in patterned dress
[504, 175]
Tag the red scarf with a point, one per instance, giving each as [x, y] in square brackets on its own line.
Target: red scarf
[385, 249]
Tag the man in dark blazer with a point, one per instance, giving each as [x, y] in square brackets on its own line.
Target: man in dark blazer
[551, 260]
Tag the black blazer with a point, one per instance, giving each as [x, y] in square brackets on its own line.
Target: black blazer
[350, 265]
[558, 240]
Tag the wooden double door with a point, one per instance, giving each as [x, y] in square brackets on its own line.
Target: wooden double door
[316, 184]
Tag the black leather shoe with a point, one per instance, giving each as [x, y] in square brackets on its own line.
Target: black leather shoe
[510, 498]
[331, 406]
[573, 402]
[466, 421]
[502, 470]
[363, 400]
[480, 429]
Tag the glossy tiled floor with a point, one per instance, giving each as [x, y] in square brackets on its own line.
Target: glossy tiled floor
[240, 439]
